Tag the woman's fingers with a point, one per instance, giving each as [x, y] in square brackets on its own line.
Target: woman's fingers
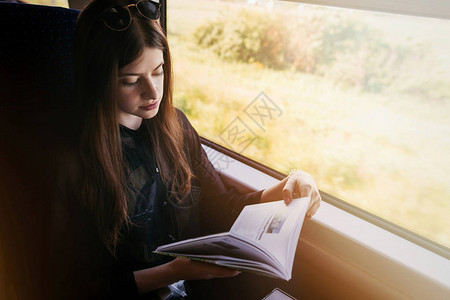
[314, 204]
[304, 185]
[305, 190]
[195, 270]
[288, 190]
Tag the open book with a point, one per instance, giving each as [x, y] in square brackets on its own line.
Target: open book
[263, 239]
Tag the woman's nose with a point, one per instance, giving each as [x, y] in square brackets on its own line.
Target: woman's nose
[149, 90]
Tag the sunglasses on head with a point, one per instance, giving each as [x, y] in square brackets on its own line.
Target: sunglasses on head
[118, 18]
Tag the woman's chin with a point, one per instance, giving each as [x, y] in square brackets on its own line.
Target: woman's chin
[150, 114]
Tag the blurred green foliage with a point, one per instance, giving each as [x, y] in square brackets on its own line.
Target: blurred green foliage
[338, 47]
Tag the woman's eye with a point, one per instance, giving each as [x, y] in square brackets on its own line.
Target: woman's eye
[160, 73]
[128, 83]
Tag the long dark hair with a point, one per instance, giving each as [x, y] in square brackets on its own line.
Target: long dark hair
[99, 54]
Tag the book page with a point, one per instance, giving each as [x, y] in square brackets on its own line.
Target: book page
[273, 225]
[224, 244]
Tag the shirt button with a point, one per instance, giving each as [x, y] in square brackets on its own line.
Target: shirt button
[165, 203]
[149, 219]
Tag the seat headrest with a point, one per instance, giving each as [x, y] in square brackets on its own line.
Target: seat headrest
[35, 55]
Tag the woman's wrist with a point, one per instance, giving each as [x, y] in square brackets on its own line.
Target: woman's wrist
[171, 271]
[274, 192]
[154, 278]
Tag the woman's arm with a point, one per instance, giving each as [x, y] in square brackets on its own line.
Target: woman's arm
[299, 184]
[179, 269]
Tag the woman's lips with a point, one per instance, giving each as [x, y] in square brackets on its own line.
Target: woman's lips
[150, 107]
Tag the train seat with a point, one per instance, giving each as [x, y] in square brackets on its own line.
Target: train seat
[35, 63]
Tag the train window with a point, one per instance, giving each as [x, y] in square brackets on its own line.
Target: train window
[61, 3]
[360, 99]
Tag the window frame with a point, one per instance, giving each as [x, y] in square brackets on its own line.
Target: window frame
[422, 8]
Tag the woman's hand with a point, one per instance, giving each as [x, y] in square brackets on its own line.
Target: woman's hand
[179, 269]
[301, 184]
[188, 269]
[298, 184]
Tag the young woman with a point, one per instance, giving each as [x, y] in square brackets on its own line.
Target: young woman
[146, 179]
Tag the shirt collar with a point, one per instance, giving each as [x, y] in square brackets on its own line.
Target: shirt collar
[128, 136]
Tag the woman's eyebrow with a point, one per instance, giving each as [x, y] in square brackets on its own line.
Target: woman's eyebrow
[158, 65]
[138, 74]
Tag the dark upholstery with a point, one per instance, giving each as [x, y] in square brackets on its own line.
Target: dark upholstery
[36, 50]
[35, 60]
[36, 104]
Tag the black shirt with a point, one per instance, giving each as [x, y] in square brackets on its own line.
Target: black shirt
[147, 204]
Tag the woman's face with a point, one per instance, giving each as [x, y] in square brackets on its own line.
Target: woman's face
[140, 88]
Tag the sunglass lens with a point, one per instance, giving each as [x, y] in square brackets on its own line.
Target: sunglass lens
[149, 9]
[117, 18]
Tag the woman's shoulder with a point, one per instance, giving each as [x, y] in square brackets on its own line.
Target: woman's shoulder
[184, 121]
[186, 125]
[191, 137]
